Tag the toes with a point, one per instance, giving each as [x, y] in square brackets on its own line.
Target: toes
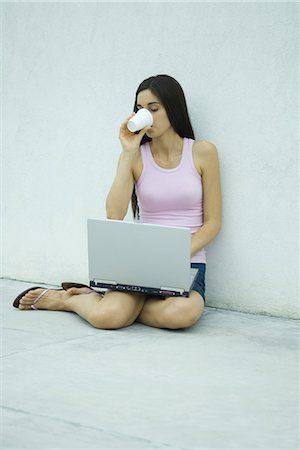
[25, 301]
[72, 291]
[22, 306]
[77, 291]
[33, 293]
[85, 290]
[30, 296]
[28, 299]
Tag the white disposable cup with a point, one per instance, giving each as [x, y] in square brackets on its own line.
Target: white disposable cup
[140, 120]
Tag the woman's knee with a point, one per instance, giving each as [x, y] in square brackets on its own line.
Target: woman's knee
[108, 317]
[182, 315]
[113, 315]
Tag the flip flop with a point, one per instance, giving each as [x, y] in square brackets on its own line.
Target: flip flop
[67, 285]
[16, 302]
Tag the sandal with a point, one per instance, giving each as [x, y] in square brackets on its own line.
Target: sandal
[68, 285]
[16, 302]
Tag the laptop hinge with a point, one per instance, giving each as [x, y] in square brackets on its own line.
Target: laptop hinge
[166, 288]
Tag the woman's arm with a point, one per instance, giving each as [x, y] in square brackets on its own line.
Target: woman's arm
[121, 190]
[211, 198]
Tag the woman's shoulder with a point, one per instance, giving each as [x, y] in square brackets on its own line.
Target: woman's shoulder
[204, 147]
[205, 150]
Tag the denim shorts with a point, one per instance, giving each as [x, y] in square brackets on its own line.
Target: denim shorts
[199, 283]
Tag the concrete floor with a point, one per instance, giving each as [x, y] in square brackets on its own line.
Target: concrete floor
[229, 382]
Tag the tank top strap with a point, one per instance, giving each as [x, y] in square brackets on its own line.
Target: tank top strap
[186, 150]
[188, 153]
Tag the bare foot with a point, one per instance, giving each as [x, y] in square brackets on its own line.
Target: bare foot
[52, 300]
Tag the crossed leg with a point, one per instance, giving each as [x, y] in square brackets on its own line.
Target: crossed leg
[117, 309]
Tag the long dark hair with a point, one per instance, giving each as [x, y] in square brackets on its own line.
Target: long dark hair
[170, 93]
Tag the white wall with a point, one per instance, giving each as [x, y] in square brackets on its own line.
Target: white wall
[70, 72]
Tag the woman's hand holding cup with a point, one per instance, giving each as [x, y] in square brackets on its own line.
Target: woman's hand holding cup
[131, 140]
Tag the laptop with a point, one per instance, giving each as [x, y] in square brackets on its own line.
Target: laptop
[139, 257]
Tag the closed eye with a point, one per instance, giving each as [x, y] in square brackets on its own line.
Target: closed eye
[153, 106]
[150, 109]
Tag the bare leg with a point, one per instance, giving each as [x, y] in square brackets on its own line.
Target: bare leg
[173, 312]
[53, 300]
[111, 311]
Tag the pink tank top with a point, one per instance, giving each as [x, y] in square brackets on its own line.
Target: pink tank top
[172, 196]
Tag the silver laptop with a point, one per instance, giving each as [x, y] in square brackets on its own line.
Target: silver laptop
[129, 256]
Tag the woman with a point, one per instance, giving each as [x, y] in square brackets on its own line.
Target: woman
[171, 179]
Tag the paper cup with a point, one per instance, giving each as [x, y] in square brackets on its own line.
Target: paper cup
[142, 119]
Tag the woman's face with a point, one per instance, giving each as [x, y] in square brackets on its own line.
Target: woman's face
[161, 124]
